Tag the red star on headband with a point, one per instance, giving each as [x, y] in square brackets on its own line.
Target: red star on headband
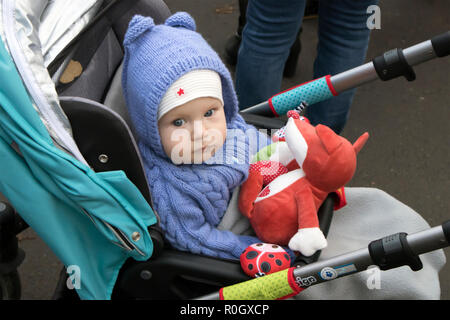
[180, 92]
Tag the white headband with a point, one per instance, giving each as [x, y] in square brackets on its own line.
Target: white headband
[192, 85]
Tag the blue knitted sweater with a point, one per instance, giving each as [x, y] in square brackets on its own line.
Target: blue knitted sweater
[189, 199]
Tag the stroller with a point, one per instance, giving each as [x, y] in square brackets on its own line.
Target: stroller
[93, 103]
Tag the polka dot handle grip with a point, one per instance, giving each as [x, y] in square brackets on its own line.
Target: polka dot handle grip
[310, 92]
[278, 285]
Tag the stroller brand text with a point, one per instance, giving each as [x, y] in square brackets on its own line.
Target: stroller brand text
[306, 281]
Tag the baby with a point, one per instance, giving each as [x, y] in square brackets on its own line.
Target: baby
[196, 148]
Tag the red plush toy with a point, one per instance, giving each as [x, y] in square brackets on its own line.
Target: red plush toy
[313, 162]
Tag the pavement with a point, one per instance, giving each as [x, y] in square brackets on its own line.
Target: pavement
[408, 154]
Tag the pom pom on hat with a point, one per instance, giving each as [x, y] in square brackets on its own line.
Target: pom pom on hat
[181, 19]
[137, 26]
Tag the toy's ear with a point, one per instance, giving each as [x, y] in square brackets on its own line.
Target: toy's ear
[360, 142]
[137, 26]
[181, 19]
[329, 138]
[296, 141]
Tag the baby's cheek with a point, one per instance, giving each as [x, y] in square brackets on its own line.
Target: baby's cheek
[217, 136]
[176, 144]
[166, 140]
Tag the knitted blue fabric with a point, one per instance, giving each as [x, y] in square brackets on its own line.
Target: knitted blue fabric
[190, 199]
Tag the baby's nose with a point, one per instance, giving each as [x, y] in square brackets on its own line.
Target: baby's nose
[199, 130]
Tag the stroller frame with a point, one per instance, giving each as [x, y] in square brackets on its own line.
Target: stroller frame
[169, 273]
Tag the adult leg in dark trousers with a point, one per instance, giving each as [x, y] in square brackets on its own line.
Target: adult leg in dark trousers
[234, 41]
[269, 33]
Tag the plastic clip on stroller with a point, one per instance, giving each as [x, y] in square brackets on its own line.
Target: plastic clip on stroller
[390, 65]
[389, 252]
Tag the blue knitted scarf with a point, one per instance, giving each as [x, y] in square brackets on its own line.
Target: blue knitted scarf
[192, 199]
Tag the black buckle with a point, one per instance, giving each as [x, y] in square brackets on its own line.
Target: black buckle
[394, 251]
[393, 64]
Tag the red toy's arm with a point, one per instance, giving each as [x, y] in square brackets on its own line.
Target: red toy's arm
[306, 208]
[250, 190]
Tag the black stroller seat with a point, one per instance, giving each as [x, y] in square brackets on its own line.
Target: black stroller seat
[107, 143]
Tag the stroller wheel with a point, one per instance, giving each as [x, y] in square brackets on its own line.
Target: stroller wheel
[10, 288]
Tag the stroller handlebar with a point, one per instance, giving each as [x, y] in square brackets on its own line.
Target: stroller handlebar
[389, 252]
[390, 65]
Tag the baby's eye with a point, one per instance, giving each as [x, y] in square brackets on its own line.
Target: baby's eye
[209, 113]
[178, 122]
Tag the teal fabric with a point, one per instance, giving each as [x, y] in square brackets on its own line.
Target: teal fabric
[63, 200]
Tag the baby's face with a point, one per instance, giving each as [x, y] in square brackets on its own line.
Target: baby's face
[194, 131]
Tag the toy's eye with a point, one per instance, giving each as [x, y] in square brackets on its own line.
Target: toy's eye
[209, 113]
[178, 122]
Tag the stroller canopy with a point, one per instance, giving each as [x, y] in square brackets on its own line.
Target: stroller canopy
[93, 221]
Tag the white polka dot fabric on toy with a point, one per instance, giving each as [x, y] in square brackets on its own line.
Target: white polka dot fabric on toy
[268, 169]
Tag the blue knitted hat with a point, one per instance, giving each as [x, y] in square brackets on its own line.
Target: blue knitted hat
[155, 57]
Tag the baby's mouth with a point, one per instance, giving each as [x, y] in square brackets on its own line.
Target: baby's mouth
[205, 150]
[199, 149]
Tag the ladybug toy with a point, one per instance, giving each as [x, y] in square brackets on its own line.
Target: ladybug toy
[260, 259]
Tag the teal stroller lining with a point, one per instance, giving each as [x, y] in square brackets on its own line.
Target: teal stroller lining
[93, 221]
